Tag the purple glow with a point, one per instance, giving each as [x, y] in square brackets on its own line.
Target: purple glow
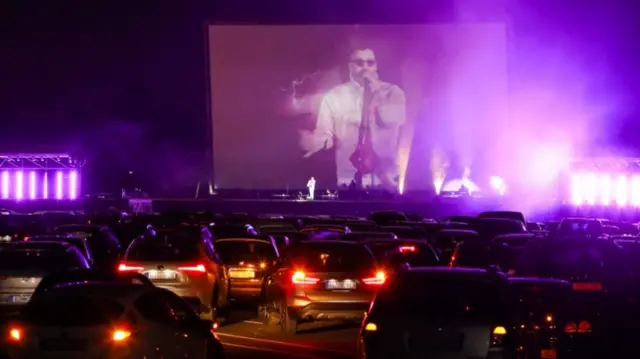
[585, 188]
[32, 185]
[59, 185]
[73, 185]
[5, 184]
[45, 186]
[19, 185]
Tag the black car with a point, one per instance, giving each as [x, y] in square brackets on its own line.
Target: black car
[439, 312]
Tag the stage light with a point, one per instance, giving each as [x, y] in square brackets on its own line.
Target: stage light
[45, 186]
[621, 190]
[576, 190]
[59, 185]
[605, 190]
[5, 184]
[73, 185]
[19, 185]
[32, 185]
[635, 191]
[591, 189]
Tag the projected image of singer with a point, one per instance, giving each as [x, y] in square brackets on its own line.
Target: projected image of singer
[361, 119]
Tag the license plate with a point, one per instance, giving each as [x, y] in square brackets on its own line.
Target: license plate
[336, 284]
[548, 354]
[161, 274]
[242, 274]
[19, 299]
[63, 344]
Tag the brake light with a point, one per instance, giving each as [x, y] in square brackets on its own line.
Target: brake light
[587, 287]
[584, 327]
[127, 268]
[299, 277]
[407, 249]
[198, 268]
[379, 279]
[120, 335]
[15, 334]
[570, 328]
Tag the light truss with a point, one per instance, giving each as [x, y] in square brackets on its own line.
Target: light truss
[38, 161]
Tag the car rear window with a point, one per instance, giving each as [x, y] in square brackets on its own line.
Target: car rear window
[442, 297]
[170, 246]
[575, 260]
[233, 251]
[414, 254]
[46, 260]
[331, 257]
[71, 311]
[539, 298]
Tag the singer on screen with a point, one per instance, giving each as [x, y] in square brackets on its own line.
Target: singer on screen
[361, 119]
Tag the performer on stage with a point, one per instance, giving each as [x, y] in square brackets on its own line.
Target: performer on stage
[311, 185]
[342, 115]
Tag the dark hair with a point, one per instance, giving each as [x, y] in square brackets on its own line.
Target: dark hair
[359, 43]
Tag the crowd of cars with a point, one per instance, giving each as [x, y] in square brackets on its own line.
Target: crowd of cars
[485, 286]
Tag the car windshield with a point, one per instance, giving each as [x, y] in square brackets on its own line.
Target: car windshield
[72, 310]
[414, 254]
[46, 260]
[167, 246]
[575, 260]
[331, 257]
[443, 297]
[233, 251]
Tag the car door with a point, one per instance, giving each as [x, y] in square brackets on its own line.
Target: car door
[222, 277]
[162, 328]
[193, 335]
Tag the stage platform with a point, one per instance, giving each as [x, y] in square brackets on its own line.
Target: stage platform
[434, 208]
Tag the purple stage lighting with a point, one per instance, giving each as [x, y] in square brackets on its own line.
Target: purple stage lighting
[32, 185]
[19, 185]
[73, 185]
[5, 184]
[45, 186]
[59, 191]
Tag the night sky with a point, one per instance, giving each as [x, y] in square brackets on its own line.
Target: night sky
[112, 79]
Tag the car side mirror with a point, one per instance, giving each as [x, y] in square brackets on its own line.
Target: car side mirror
[207, 325]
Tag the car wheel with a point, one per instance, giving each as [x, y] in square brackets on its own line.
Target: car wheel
[288, 325]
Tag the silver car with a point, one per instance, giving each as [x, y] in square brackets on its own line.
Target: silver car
[24, 264]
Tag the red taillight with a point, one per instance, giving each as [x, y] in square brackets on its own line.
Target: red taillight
[197, 268]
[16, 334]
[300, 277]
[407, 249]
[120, 335]
[583, 327]
[587, 287]
[379, 279]
[128, 268]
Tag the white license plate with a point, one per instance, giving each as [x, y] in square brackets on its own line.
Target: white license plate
[242, 274]
[15, 299]
[161, 274]
[337, 284]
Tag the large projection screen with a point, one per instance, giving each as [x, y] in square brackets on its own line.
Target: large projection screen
[287, 101]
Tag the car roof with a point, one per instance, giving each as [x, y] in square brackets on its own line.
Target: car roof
[458, 231]
[39, 245]
[82, 227]
[243, 239]
[52, 237]
[533, 280]
[107, 289]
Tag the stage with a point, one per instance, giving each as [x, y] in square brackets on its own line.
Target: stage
[427, 208]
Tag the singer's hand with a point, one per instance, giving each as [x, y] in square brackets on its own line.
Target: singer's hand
[373, 80]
